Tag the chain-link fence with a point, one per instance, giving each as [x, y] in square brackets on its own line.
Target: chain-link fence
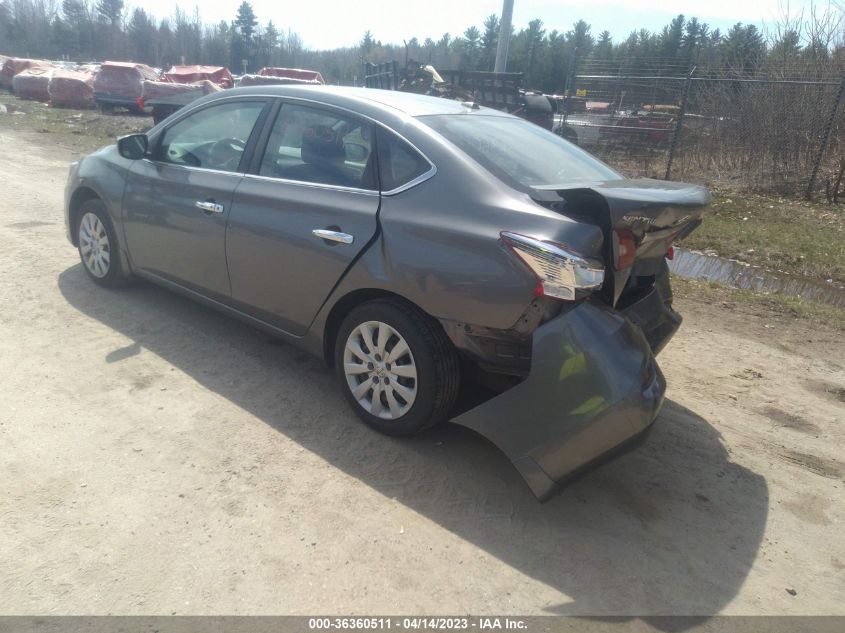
[751, 133]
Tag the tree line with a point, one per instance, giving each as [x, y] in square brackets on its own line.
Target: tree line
[809, 45]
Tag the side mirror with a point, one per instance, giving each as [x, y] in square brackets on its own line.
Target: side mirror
[133, 146]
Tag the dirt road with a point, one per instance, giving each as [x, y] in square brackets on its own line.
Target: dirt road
[160, 458]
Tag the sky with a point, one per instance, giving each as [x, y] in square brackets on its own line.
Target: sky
[338, 23]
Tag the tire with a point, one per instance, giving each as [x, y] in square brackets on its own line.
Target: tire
[568, 134]
[408, 405]
[100, 257]
[160, 113]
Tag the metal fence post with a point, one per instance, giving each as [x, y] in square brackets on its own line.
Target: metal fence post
[831, 119]
[677, 131]
[570, 85]
[567, 92]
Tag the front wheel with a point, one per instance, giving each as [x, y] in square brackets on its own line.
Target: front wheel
[98, 246]
[397, 367]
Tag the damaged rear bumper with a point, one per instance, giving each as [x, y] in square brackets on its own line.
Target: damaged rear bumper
[594, 385]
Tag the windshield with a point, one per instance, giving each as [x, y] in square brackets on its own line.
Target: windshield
[519, 152]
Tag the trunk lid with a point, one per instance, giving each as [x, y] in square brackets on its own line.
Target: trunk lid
[640, 220]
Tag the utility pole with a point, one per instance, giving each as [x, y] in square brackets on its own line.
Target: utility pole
[504, 37]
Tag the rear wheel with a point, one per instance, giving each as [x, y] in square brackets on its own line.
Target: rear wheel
[397, 367]
[98, 246]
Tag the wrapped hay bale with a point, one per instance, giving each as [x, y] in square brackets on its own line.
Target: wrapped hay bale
[193, 74]
[152, 90]
[13, 65]
[33, 83]
[267, 80]
[122, 80]
[72, 88]
[306, 76]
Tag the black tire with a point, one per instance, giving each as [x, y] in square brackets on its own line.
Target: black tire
[434, 357]
[115, 276]
[568, 134]
[160, 113]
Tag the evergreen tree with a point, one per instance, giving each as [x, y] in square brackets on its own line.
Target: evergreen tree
[367, 44]
[76, 35]
[670, 38]
[110, 11]
[470, 48]
[603, 50]
[742, 49]
[429, 46]
[140, 33]
[269, 45]
[535, 40]
[489, 42]
[217, 44]
[245, 21]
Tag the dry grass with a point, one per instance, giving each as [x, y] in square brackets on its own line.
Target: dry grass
[778, 305]
[82, 131]
[782, 234]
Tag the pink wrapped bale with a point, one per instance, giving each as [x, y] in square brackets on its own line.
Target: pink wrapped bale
[33, 83]
[192, 74]
[163, 89]
[305, 76]
[122, 80]
[72, 88]
[13, 65]
[267, 80]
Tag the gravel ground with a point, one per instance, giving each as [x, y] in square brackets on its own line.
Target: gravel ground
[161, 458]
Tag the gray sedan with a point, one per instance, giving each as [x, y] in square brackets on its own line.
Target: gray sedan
[449, 261]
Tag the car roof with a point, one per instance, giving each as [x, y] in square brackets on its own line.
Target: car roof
[407, 103]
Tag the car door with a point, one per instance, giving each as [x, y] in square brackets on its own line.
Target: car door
[301, 218]
[177, 201]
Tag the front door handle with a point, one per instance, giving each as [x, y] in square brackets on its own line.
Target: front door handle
[208, 206]
[334, 236]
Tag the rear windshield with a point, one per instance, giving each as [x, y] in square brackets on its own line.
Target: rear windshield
[519, 152]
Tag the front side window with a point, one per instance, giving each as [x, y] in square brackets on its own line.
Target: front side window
[213, 138]
[320, 146]
[518, 152]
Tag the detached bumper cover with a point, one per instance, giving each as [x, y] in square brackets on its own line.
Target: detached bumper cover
[593, 386]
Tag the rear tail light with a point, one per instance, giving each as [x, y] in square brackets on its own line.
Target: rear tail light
[561, 273]
[625, 248]
[670, 254]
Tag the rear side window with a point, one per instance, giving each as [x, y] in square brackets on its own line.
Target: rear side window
[399, 163]
[320, 146]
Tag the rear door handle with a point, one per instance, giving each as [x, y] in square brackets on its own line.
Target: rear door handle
[208, 206]
[334, 236]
